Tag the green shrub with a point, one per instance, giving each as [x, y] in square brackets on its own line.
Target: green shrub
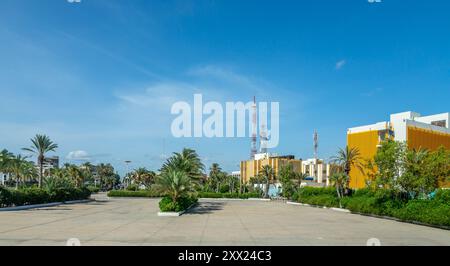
[443, 196]
[5, 197]
[313, 191]
[93, 189]
[132, 187]
[425, 211]
[383, 202]
[214, 195]
[134, 194]
[33, 196]
[167, 205]
[363, 192]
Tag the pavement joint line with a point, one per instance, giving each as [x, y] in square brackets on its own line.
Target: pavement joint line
[153, 234]
[58, 220]
[115, 228]
[245, 227]
[136, 226]
[204, 229]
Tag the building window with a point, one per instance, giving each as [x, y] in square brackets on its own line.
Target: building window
[441, 123]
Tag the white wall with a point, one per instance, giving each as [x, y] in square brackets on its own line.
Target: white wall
[434, 118]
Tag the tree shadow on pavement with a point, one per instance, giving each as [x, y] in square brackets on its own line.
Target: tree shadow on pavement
[206, 208]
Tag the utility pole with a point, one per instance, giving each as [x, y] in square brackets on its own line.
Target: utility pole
[128, 171]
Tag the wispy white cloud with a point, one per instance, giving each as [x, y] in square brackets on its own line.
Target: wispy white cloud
[372, 92]
[78, 156]
[158, 96]
[226, 79]
[221, 74]
[340, 64]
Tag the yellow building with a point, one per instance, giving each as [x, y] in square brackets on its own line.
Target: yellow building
[427, 132]
[251, 168]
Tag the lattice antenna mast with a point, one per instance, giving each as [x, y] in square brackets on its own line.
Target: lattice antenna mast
[254, 150]
[263, 135]
[316, 145]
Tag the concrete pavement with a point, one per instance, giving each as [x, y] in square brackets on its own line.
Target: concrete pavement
[135, 222]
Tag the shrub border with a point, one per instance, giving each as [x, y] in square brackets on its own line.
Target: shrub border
[177, 214]
[372, 215]
[233, 199]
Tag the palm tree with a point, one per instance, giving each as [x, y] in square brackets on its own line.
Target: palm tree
[76, 174]
[21, 169]
[41, 145]
[106, 175]
[142, 176]
[340, 181]
[268, 175]
[299, 178]
[214, 174]
[59, 173]
[174, 183]
[348, 159]
[5, 160]
[187, 161]
[232, 181]
[87, 169]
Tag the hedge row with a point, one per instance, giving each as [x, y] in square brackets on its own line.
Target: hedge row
[154, 194]
[93, 189]
[384, 203]
[214, 195]
[32, 196]
[134, 194]
[167, 204]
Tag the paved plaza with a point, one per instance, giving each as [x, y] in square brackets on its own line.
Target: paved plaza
[135, 222]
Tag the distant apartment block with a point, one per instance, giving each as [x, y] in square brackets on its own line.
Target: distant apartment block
[427, 132]
[51, 163]
[317, 171]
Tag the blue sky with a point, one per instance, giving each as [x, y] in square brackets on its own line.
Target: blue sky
[100, 76]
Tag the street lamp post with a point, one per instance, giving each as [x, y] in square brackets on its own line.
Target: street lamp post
[128, 171]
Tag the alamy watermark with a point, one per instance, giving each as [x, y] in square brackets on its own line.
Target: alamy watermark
[227, 121]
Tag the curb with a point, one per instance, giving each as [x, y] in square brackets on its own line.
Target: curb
[231, 199]
[133, 198]
[46, 205]
[222, 199]
[319, 207]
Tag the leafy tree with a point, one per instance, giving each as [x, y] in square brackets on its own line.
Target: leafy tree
[438, 165]
[41, 145]
[287, 176]
[389, 161]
